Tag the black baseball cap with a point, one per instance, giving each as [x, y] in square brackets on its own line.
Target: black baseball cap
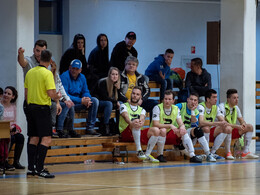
[131, 35]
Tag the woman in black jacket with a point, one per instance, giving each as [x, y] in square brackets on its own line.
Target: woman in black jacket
[107, 93]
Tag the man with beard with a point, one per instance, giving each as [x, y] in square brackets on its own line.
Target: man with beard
[131, 121]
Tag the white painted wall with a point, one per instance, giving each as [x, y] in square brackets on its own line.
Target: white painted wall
[238, 55]
[54, 43]
[8, 43]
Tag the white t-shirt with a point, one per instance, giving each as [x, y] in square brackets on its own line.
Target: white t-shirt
[156, 113]
[123, 108]
[223, 110]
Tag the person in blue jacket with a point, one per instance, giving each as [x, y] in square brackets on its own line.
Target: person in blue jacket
[159, 71]
[75, 85]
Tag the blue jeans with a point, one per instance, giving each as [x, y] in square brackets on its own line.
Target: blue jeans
[165, 84]
[105, 107]
[61, 118]
[92, 113]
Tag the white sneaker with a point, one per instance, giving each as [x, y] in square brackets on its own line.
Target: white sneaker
[249, 156]
[140, 154]
[150, 158]
[210, 158]
[202, 157]
[229, 156]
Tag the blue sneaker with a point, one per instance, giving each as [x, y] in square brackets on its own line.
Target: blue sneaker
[217, 157]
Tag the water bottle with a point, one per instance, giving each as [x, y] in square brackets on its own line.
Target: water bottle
[89, 162]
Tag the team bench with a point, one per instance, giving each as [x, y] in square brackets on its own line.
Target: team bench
[126, 151]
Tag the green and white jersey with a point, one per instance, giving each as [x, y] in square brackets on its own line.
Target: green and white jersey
[231, 114]
[165, 116]
[134, 112]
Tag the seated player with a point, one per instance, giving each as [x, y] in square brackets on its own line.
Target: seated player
[214, 131]
[166, 117]
[131, 121]
[232, 113]
[190, 115]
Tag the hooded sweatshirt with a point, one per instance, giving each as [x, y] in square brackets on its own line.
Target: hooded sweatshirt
[158, 65]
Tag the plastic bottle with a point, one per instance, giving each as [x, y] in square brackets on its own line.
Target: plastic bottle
[89, 162]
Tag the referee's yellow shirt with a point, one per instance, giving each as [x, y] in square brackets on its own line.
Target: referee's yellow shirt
[37, 81]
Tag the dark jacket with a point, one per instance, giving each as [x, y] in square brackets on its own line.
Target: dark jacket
[102, 92]
[119, 55]
[98, 59]
[140, 81]
[197, 83]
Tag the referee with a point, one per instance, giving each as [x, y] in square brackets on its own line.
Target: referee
[39, 89]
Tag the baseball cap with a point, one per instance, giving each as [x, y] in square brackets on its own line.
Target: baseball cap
[76, 63]
[131, 35]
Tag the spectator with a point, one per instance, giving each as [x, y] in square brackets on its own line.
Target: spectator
[76, 87]
[108, 96]
[98, 57]
[122, 50]
[39, 115]
[76, 51]
[130, 78]
[198, 79]
[8, 101]
[67, 108]
[159, 71]
[30, 62]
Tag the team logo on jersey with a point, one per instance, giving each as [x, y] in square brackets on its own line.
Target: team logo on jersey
[154, 115]
[200, 110]
[121, 109]
[167, 121]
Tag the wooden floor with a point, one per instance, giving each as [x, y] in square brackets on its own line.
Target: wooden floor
[179, 177]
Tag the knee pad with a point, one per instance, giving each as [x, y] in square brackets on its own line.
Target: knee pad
[198, 132]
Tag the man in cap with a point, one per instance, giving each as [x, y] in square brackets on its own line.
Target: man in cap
[76, 87]
[122, 50]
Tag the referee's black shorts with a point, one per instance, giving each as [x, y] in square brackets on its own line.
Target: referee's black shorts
[39, 120]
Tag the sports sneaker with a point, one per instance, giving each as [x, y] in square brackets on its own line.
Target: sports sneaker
[93, 132]
[210, 158]
[151, 159]
[202, 157]
[9, 167]
[73, 134]
[249, 156]
[30, 173]
[217, 157]
[45, 174]
[141, 155]
[54, 133]
[61, 134]
[161, 158]
[195, 159]
[229, 156]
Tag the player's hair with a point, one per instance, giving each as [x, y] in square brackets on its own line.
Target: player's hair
[209, 93]
[46, 56]
[40, 43]
[230, 92]
[169, 92]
